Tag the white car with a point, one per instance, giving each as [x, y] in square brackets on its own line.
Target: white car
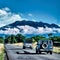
[27, 44]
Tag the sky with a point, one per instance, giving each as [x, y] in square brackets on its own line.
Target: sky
[34, 10]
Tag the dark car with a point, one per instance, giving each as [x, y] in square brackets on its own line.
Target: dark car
[27, 44]
[44, 46]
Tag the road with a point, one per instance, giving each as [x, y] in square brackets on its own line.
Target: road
[17, 53]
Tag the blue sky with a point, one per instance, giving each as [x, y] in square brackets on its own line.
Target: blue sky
[36, 10]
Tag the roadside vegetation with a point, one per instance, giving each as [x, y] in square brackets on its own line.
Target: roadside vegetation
[1, 48]
[2, 56]
[56, 49]
[19, 38]
[1, 51]
[1, 40]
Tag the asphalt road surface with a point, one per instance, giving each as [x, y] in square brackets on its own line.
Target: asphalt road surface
[17, 53]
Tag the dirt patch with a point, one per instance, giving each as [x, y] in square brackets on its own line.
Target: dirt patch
[34, 45]
[18, 44]
[56, 49]
[1, 48]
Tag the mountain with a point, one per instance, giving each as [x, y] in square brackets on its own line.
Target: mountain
[29, 27]
[30, 23]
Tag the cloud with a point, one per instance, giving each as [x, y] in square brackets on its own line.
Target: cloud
[7, 17]
[30, 15]
[34, 20]
[2, 12]
[10, 31]
[59, 25]
[6, 9]
[29, 30]
[40, 30]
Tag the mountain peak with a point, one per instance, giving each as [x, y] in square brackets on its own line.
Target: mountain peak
[29, 27]
[31, 23]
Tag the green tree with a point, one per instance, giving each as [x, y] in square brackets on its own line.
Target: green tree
[1, 40]
[13, 39]
[8, 39]
[55, 38]
[50, 35]
[36, 38]
[20, 37]
[29, 39]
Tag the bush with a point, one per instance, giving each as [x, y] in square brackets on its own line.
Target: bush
[1, 40]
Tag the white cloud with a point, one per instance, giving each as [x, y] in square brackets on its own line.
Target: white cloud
[7, 17]
[56, 29]
[10, 31]
[40, 30]
[59, 25]
[34, 20]
[6, 9]
[29, 30]
[30, 15]
[2, 12]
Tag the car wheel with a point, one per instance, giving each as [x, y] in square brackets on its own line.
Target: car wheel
[23, 47]
[36, 52]
[30, 47]
[47, 52]
[51, 52]
[39, 52]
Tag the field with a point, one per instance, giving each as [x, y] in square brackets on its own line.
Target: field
[56, 49]
[1, 52]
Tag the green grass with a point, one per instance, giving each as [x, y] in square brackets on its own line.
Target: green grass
[2, 56]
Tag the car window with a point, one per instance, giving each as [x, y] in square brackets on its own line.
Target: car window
[28, 41]
[50, 42]
[47, 42]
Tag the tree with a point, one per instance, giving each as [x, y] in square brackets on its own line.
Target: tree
[29, 40]
[20, 38]
[13, 39]
[1, 40]
[50, 34]
[8, 39]
[36, 38]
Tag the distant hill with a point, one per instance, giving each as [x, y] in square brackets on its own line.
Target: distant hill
[30, 23]
[29, 27]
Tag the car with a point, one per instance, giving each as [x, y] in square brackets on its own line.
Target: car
[27, 44]
[44, 46]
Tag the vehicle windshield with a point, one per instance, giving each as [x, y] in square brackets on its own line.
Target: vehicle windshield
[27, 41]
[48, 41]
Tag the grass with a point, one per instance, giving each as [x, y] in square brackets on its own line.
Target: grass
[1, 51]
[56, 49]
[2, 56]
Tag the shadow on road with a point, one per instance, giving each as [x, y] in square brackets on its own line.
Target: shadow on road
[31, 53]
